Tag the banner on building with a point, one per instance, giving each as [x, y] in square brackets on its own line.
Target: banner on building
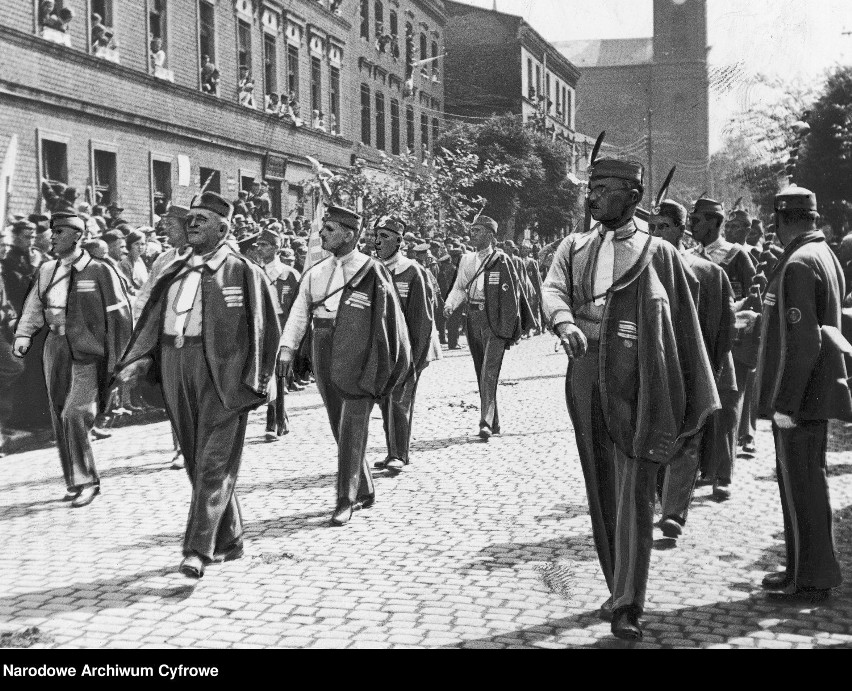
[7, 173]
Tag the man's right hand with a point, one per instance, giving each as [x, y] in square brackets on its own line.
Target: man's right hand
[573, 341]
[448, 312]
[285, 361]
[22, 345]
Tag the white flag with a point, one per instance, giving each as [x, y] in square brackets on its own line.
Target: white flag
[7, 172]
[315, 251]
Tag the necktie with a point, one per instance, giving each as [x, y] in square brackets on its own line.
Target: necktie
[335, 283]
[186, 296]
[606, 264]
[479, 291]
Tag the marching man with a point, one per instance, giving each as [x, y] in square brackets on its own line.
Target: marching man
[81, 301]
[360, 348]
[210, 328]
[413, 288]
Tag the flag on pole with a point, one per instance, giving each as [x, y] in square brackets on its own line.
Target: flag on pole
[7, 173]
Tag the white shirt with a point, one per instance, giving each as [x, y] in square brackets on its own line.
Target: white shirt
[319, 281]
[183, 309]
[469, 264]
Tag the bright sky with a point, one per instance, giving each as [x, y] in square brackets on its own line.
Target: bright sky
[796, 38]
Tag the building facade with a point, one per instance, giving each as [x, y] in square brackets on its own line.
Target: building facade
[497, 63]
[140, 102]
[651, 95]
[397, 47]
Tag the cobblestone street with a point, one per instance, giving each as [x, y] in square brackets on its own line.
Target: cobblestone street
[473, 545]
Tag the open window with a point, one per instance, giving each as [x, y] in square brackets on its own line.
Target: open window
[366, 124]
[424, 135]
[159, 39]
[380, 121]
[161, 185]
[207, 48]
[102, 33]
[54, 161]
[334, 120]
[245, 84]
[105, 176]
[394, 127]
[409, 128]
[54, 19]
[270, 64]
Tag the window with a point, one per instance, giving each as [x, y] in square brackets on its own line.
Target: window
[293, 70]
[424, 53]
[334, 125]
[538, 79]
[207, 47]
[379, 19]
[380, 121]
[106, 180]
[409, 128]
[547, 92]
[54, 161]
[530, 82]
[159, 38]
[435, 70]
[270, 64]
[244, 45]
[316, 85]
[409, 50]
[424, 135]
[211, 178]
[102, 8]
[246, 181]
[394, 23]
[365, 114]
[365, 19]
[569, 109]
[161, 179]
[436, 132]
[102, 42]
[565, 113]
[394, 126]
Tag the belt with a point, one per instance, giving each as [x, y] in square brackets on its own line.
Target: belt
[323, 323]
[58, 329]
[180, 341]
[477, 305]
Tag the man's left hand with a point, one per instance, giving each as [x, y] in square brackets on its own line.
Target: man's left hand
[783, 421]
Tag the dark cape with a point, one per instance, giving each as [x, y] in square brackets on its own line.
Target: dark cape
[371, 351]
[418, 305]
[657, 384]
[506, 306]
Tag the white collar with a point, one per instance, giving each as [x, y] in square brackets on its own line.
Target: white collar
[78, 261]
[213, 260]
[274, 269]
[398, 263]
[484, 254]
[718, 244]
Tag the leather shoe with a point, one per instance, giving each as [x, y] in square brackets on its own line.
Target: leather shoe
[342, 514]
[270, 436]
[366, 501]
[721, 492]
[177, 461]
[671, 528]
[811, 595]
[776, 581]
[86, 496]
[395, 464]
[625, 624]
[233, 553]
[71, 495]
[381, 464]
[484, 432]
[98, 433]
[192, 566]
[605, 612]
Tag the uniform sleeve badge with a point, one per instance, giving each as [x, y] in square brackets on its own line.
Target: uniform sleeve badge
[794, 315]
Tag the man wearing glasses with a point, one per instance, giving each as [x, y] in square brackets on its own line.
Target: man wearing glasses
[211, 327]
[639, 382]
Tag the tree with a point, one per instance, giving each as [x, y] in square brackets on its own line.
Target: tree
[826, 159]
[534, 192]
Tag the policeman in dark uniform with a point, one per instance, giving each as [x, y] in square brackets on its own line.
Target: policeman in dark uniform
[802, 383]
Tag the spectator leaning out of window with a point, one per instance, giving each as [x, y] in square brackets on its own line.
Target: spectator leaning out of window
[246, 88]
[209, 76]
[51, 19]
[158, 55]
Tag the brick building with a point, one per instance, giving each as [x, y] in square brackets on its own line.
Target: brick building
[497, 63]
[651, 95]
[398, 47]
[97, 104]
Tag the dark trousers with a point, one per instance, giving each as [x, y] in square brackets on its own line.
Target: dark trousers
[806, 505]
[748, 417]
[211, 438]
[454, 327]
[441, 325]
[620, 490]
[72, 392]
[397, 413]
[718, 454]
[11, 368]
[277, 419]
[676, 484]
[350, 424]
[487, 351]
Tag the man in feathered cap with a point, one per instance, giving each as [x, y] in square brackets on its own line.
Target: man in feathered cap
[639, 382]
[210, 328]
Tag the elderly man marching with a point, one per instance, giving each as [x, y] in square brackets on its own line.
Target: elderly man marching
[418, 304]
[802, 383]
[715, 306]
[639, 382]
[360, 348]
[488, 283]
[81, 301]
[285, 284]
[210, 328]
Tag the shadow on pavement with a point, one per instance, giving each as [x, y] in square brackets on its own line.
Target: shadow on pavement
[511, 554]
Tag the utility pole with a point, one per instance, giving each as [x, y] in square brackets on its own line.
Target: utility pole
[650, 134]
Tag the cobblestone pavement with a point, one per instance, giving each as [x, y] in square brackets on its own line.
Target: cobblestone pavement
[474, 545]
